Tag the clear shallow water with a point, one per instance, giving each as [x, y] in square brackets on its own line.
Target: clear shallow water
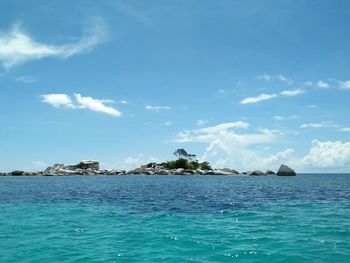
[175, 219]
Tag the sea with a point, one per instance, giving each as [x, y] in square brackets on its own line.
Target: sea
[135, 218]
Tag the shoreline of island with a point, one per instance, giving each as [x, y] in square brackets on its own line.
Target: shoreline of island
[91, 168]
[185, 164]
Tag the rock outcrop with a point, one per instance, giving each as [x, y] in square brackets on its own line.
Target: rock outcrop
[257, 173]
[284, 170]
[17, 173]
[269, 172]
[161, 170]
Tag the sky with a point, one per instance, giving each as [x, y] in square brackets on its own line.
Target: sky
[241, 84]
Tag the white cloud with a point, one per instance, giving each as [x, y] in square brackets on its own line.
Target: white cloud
[124, 102]
[228, 148]
[281, 118]
[344, 84]
[132, 162]
[324, 124]
[201, 122]
[258, 98]
[65, 101]
[26, 79]
[39, 165]
[157, 108]
[58, 100]
[292, 93]
[308, 83]
[347, 129]
[264, 77]
[224, 127]
[96, 105]
[328, 154]
[279, 77]
[18, 47]
[312, 106]
[323, 85]
[283, 78]
[168, 123]
[224, 130]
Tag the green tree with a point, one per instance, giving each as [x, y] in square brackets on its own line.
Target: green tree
[205, 166]
[182, 154]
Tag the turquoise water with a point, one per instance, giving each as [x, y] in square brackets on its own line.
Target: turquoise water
[175, 219]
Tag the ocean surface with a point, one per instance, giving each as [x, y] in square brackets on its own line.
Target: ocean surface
[175, 219]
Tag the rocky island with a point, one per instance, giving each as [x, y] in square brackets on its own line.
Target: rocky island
[185, 164]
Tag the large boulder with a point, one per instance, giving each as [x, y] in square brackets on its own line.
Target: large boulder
[17, 173]
[163, 172]
[228, 170]
[284, 170]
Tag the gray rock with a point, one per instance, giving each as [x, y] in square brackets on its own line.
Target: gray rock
[257, 173]
[269, 172]
[163, 172]
[17, 173]
[232, 171]
[210, 172]
[199, 171]
[140, 170]
[2, 174]
[178, 171]
[284, 170]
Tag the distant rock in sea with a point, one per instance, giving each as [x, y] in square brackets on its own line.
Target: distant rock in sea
[17, 173]
[257, 173]
[284, 170]
[269, 172]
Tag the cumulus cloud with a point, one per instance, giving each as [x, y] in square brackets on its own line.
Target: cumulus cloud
[347, 129]
[81, 102]
[324, 124]
[323, 85]
[292, 93]
[344, 84]
[157, 108]
[58, 100]
[258, 98]
[18, 47]
[328, 154]
[228, 147]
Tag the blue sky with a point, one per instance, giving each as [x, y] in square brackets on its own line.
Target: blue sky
[242, 84]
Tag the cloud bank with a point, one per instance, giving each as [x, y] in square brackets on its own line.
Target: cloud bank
[226, 147]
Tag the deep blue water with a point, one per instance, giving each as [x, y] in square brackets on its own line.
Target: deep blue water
[175, 219]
